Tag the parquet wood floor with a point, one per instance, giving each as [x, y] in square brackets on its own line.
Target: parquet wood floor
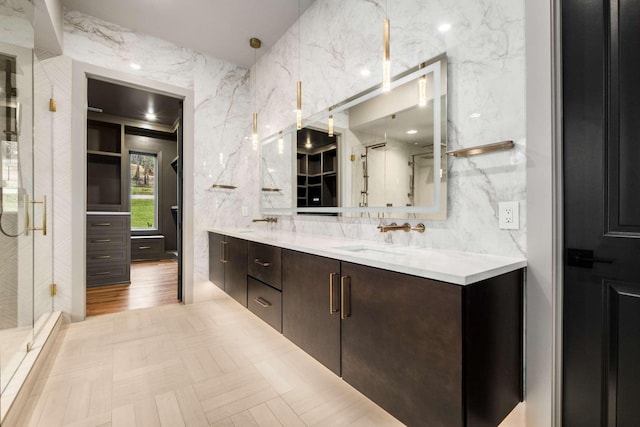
[153, 283]
[206, 364]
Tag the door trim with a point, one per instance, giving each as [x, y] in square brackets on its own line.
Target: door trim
[81, 72]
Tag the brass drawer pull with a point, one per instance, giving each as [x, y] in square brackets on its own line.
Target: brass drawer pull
[263, 302]
[345, 298]
[144, 247]
[332, 310]
[262, 263]
[102, 224]
[102, 241]
[103, 273]
[102, 257]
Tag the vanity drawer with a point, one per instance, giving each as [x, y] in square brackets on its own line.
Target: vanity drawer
[264, 263]
[265, 302]
[108, 274]
[144, 248]
[107, 225]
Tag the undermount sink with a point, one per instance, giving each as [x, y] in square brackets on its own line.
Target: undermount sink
[371, 250]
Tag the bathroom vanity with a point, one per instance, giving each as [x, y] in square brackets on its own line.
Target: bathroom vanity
[434, 337]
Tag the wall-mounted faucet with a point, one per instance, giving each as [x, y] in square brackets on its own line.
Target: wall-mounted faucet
[404, 227]
[270, 219]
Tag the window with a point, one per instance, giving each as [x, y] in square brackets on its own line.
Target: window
[144, 191]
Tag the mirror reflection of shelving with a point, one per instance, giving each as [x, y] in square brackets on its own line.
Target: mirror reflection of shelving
[317, 176]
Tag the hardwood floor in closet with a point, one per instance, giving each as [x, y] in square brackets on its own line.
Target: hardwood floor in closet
[153, 283]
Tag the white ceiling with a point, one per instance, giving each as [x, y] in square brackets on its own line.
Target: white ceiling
[220, 28]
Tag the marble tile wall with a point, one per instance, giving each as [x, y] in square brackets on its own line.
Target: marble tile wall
[222, 117]
[486, 75]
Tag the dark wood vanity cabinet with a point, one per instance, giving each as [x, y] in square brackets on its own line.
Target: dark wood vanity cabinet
[428, 352]
[433, 353]
[264, 263]
[216, 260]
[228, 265]
[307, 317]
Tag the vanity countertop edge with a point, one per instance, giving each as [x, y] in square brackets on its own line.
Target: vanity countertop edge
[457, 267]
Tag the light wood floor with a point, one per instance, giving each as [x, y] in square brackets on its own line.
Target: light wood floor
[211, 363]
[153, 283]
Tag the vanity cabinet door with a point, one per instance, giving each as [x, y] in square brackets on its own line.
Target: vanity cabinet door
[402, 344]
[216, 259]
[307, 320]
[235, 269]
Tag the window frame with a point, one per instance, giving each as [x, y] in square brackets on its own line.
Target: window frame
[158, 190]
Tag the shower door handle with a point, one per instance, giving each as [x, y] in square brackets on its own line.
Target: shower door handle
[42, 202]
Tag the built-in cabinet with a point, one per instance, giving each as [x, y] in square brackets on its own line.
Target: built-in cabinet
[317, 177]
[108, 254]
[108, 222]
[428, 352]
[228, 265]
[311, 317]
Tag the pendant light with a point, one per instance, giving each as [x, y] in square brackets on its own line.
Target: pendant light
[299, 84]
[255, 43]
[331, 126]
[386, 52]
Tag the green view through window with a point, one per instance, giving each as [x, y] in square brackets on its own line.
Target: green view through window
[144, 189]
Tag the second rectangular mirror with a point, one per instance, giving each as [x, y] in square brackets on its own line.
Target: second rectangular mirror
[378, 154]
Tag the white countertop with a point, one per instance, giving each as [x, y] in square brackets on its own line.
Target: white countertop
[461, 268]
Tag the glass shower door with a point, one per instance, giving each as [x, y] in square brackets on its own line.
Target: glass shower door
[16, 187]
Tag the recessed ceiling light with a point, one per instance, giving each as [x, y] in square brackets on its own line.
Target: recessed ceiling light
[444, 27]
[365, 72]
[246, 137]
[475, 115]
[135, 66]
[151, 116]
[412, 132]
[268, 126]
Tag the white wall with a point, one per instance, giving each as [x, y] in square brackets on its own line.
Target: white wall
[221, 121]
[486, 74]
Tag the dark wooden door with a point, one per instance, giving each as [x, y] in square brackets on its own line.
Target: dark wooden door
[216, 259]
[307, 317]
[601, 125]
[235, 269]
[414, 372]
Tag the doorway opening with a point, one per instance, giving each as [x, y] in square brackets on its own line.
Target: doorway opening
[134, 198]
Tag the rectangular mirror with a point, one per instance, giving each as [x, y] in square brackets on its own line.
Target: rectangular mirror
[377, 154]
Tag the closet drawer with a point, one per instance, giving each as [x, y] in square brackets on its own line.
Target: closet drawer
[108, 274]
[143, 248]
[107, 225]
[98, 258]
[264, 263]
[265, 302]
[109, 242]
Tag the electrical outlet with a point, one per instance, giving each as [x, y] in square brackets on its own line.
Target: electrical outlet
[508, 216]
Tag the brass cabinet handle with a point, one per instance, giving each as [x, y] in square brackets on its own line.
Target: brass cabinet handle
[262, 263]
[144, 247]
[332, 310]
[102, 224]
[102, 257]
[27, 218]
[103, 273]
[222, 246]
[345, 298]
[263, 302]
[102, 241]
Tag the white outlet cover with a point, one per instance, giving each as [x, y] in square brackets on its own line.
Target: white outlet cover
[509, 215]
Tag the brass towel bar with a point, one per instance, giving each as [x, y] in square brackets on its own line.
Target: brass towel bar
[481, 149]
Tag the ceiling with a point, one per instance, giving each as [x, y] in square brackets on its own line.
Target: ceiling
[131, 103]
[220, 28]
